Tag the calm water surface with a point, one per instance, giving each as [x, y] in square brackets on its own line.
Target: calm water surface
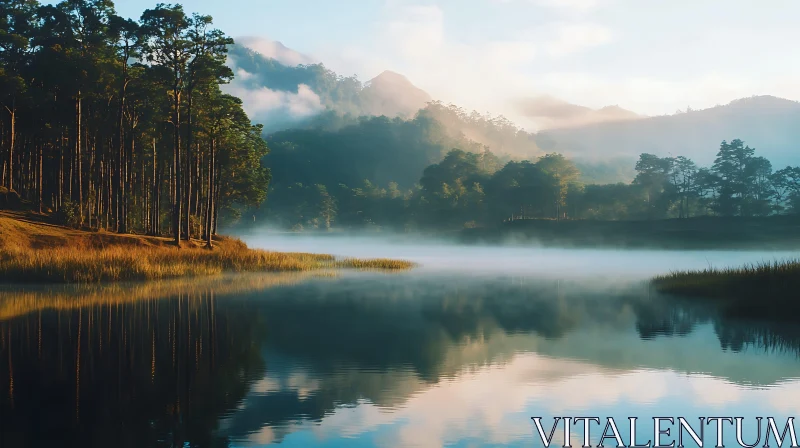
[459, 352]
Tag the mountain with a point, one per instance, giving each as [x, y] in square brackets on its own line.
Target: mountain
[552, 113]
[274, 49]
[392, 94]
[767, 123]
[283, 88]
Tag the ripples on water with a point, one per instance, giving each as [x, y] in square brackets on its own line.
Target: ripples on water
[433, 357]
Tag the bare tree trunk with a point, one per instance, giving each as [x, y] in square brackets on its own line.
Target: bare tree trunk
[154, 195]
[60, 197]
[189, 164]
[210, 198]
[176, 155]
[12, 141]
[39, 176]
[119, 184]
[79, 182]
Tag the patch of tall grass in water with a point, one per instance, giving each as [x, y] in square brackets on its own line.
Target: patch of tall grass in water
[117, 263]
[767, 287]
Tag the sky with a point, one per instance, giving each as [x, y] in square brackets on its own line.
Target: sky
[653, 57]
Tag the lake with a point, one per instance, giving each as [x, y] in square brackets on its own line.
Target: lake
[459, 352]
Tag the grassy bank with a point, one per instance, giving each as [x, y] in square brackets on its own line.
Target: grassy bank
[32, 251]
[765, 289]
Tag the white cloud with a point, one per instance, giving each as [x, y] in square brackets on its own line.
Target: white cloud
[493, 402]
[262, 102]
[575, 37]
[570, 5]
[412, 40]
[418, 31]
[573, 6]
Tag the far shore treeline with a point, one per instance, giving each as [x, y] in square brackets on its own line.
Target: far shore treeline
[473, 189]
[120, 124]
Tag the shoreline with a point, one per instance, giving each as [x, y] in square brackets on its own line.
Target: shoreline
[33, 251]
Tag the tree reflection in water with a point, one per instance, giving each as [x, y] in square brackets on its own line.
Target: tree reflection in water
[204, 364]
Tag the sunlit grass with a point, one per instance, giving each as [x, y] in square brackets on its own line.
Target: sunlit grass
[80, 265]
[38, 253]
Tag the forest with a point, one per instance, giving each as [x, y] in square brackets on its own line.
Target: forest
[122, 125]
[476, 188]
[116, 124]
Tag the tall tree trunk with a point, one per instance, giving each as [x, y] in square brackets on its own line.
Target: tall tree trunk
[154, 215]
[60, 195]
[119, 185]
[210, 198]
[79, 181]
[188, 171]
[12, 140]
[215, 203]
[176, 155]
[39, 177]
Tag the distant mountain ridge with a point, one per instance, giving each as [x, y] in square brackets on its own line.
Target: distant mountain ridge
[552, 113]
[286, 89]
[767, 123]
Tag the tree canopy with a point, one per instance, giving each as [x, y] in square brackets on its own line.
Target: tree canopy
[121, 124]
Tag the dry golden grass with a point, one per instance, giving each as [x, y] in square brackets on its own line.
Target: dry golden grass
[33, 252]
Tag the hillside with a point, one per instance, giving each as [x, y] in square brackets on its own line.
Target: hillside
[552, 113]
[284, 89]
[767, 123]
[393, 95]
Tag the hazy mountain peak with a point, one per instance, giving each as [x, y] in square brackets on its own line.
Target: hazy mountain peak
[549, 112]
[390, 76]
[763, 102]
[392, 94]
[274, 49]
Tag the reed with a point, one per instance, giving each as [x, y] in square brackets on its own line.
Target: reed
[760, 288]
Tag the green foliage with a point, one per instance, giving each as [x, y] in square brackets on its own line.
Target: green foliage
[68, 214]
[124, 120]
[472, 189]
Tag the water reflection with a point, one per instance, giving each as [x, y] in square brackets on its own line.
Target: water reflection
[364, 359]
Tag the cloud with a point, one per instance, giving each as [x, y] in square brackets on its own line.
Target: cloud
[569, 5]
[275, 50]
[261, 102]
[493, 402]
[575, 37]
[418, 31]
[412, 40]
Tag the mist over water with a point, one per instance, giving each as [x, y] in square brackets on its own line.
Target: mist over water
[459, 352]
[438, 255]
